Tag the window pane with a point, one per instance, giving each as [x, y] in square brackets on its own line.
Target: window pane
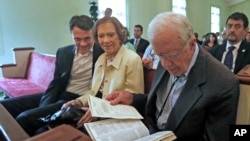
[179, 6]
[215, 19]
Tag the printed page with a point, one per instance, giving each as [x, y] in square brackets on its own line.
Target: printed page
[116, 130]
[102, 108]
[159, 136]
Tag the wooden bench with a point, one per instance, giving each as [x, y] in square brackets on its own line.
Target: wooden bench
[148, 79]
[10, 130]
[243, 113]
[31, 74]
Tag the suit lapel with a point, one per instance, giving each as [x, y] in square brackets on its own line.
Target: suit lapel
[221, 50]
[241, 55]
[70, 57]
[159, 75]
[151, 106]
[190, 93]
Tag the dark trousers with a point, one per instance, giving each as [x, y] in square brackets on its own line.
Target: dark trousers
[27, 111]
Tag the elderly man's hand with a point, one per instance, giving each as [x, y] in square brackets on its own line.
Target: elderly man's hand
[120, 97]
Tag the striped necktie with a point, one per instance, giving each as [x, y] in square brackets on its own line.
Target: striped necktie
[174, 80]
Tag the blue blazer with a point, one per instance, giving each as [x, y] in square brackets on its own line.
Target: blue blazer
[64, 62]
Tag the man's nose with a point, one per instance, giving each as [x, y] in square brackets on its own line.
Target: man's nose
[83, 43]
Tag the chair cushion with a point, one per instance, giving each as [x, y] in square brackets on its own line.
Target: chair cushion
[19, 87]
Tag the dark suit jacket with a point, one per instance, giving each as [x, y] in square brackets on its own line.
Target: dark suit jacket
[143, 44]
[206, 106]
[243, 57]
[64, 62]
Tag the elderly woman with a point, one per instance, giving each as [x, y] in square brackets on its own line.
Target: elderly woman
[115, 70]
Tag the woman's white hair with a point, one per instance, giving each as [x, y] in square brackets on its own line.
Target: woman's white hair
[172, 20]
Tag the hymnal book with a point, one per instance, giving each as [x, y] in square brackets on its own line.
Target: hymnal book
[120, 122]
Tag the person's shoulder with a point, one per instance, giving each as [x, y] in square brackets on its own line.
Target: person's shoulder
[144, 40]
[97, 48]
[130, 46]
[131, 55]
[245, 44]
[68, 47]
[217, 48]
[131, 39]
[218, 70]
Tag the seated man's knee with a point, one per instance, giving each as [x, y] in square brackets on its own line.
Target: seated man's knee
[22, 117]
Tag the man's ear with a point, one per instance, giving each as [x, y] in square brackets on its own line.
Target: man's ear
[246, 30]
[192, 41]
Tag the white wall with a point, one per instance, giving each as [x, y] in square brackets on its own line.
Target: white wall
[43, 24]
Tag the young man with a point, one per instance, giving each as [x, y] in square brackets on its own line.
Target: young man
[139, 43]
[72, 77]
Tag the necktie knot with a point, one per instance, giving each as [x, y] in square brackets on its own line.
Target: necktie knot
[174, 79]
[178, 78]
[231, 48]
[136, 42]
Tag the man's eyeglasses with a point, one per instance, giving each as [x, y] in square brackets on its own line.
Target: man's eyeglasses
[171, 56]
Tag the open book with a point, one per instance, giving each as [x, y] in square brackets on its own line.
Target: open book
[123, 123]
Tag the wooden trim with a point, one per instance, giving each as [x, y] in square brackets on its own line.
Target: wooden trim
[11, 127]
[62, 132]
[23, 48]
[7, 65]
[244, 79]
[244, 75]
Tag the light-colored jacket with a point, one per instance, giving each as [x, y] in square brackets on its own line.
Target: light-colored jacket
[124, 73]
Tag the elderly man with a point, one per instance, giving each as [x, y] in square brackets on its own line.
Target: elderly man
[192, 94]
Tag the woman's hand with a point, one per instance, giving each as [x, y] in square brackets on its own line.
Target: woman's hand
[87, 117]
[72, 103]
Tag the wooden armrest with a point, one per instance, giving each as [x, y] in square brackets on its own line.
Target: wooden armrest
[62, 132]
[7, 65]
[21, 61]
[244, 79]
[11, 129]
[23, 48]
[244, 75]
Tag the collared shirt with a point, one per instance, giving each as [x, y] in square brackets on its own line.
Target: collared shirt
[172, 96]
[235, 53]
[81, 73]
[149, 52]
[130, 46]
[124, 73]
[136, 41]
